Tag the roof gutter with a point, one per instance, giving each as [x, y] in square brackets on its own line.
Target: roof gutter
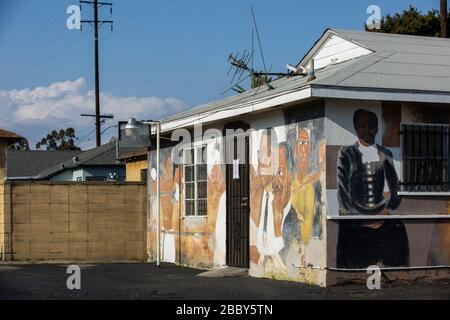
[303, 93]
[401, 95]
[276, 100]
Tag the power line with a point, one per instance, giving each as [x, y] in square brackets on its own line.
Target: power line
[19, 72]
[50, 70]
[139, 8]
[147, 11]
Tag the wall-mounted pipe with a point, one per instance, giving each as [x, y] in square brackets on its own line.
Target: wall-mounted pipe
[381, 268]
[311, 71]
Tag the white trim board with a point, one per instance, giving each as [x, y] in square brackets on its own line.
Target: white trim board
[301, 94]
[389, 217]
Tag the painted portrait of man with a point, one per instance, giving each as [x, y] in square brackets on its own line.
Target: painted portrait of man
[298, 225]
[269, 240]
[363, 170]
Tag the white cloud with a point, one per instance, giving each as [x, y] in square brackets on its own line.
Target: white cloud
[35, 112]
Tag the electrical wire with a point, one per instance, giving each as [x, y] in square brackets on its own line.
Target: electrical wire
[19, 72]
[139, 8]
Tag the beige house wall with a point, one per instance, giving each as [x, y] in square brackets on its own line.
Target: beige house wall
[133, 169]
[73, 221]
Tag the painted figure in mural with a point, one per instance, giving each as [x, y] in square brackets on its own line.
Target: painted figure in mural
[269, 240]
[298, 224]
[169, 209]
[217, 204]
[362, 171]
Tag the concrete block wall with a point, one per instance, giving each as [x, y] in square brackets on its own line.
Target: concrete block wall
[75, 221]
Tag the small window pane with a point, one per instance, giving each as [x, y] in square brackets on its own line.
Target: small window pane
[202, 208]
[190, 207]
[189, 173]
[202, 190]
[202, 172]
[190, 191]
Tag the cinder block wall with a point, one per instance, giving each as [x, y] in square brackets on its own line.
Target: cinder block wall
[74, 221]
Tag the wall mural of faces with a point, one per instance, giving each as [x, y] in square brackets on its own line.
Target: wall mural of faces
[287, 205]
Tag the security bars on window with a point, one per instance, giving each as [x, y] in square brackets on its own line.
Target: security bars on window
[425, 155]
[195, 181]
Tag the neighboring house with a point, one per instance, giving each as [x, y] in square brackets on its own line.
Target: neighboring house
[26, 165]
[136, 164]
[338, 173]
[7, 138]
[97, 164]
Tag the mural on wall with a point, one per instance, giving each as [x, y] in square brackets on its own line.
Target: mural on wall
[286, 211]
[198, 241]
[362, 170]
[368, 163]
[286, 199]
[170, 204]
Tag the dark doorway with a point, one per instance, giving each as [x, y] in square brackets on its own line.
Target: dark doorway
[238, 197]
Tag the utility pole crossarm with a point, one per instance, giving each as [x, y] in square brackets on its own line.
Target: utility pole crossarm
[99, 3]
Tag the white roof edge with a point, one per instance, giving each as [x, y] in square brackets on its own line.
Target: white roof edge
[380, 94]
[312, 91]
[239, 109]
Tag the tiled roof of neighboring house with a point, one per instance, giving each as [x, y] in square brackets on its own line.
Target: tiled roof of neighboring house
[11, 136]
[395, 63]
[26, 164]
[131, 153]
[104, 155]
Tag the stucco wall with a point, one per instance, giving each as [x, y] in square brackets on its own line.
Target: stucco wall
[296, 215]
[133, 169]
[74, 221]
[405, 242]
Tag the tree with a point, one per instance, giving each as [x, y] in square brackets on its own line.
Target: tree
[62, 140]
[412, 22]
[21, 145]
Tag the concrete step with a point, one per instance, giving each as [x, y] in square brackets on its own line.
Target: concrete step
[226, 272]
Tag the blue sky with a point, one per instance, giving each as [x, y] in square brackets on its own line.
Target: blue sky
[164, 56]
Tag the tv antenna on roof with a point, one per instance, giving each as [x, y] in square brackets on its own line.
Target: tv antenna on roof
[241, 65]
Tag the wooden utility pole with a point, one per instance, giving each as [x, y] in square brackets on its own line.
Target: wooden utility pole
[97, 23]
[444, 14]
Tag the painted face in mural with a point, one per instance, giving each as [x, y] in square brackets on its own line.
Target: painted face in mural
[281, 189]
[302, 151]
[366, 127]
[267, 149]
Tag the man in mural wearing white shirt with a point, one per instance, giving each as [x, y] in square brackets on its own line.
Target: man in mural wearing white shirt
[362, 171]
[269, 241]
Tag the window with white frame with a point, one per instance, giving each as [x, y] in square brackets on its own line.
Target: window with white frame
[425, 155]
[195, 181]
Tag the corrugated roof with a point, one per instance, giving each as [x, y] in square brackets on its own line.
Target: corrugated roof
[5, 134]
[129, 153]
[399, 62]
